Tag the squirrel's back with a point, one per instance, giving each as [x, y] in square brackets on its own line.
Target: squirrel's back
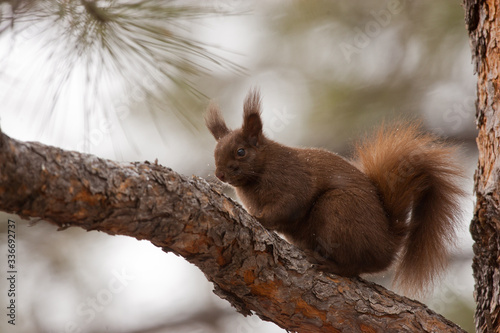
[417, 177]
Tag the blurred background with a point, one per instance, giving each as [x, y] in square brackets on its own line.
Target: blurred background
[130, 80]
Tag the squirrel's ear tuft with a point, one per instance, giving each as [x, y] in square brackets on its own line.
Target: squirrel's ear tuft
[252, 123]
[215, 123]
[252, 103]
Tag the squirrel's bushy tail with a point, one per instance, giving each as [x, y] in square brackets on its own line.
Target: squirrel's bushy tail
[418, 179]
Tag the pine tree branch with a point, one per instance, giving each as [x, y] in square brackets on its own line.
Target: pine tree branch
[252, 268]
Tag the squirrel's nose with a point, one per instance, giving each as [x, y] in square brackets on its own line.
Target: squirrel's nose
[220, 175]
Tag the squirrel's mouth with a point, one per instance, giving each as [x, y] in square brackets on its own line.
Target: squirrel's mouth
[231, 178]
[235, 181]
[235, 177]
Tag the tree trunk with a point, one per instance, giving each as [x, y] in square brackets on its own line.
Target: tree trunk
[482, 19]
[252, 268]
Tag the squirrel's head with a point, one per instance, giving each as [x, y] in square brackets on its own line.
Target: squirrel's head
[238, 155]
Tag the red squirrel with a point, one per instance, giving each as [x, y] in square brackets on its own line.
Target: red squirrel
[396, 201]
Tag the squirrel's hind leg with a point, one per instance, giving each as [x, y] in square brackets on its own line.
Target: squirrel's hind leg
[351, 243]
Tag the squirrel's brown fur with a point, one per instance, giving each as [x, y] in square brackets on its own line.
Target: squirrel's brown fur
[399, 195]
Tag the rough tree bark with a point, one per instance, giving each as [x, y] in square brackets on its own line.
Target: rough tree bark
[252, 268]
[482, 19]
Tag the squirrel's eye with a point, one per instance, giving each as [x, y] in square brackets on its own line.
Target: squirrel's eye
[241, 152]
